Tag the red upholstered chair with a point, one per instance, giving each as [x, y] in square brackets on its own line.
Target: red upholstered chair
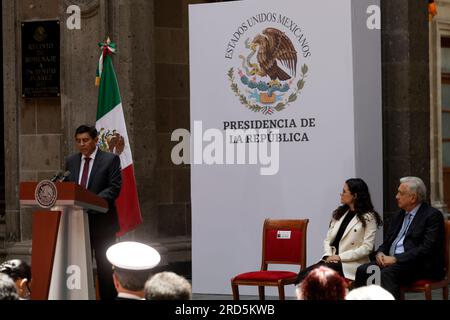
[425, 285]
[284, 242]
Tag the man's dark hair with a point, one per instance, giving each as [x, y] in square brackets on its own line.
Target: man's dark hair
[8, 290]
[363, 204]
[89, 129]
[133, 280]
[16, 269]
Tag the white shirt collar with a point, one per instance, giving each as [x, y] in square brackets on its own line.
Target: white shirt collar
[128, 296]
[414, 211]
[92, 156]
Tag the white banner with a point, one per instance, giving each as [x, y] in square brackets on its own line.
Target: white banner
[273, 128]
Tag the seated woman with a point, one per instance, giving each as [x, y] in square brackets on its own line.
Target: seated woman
[20, 273]
[351, 234]
[322, 283]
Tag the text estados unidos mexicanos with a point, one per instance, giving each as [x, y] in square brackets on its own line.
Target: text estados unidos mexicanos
[270, 17]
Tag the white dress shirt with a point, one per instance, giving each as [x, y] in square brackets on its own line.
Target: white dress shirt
[91, 163]
[409, 217]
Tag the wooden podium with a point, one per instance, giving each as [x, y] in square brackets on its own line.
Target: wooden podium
[61, 252]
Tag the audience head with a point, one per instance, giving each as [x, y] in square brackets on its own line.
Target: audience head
[8, 290]
[411, 192]
[322, 283]
[167, 286]
[372, 292]
[20, 272]
[132, 263]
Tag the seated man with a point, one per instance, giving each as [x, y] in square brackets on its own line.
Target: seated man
[132, 263]
[167, 286]
[413, 247]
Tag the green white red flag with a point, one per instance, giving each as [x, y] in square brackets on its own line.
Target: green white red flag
[113, 137]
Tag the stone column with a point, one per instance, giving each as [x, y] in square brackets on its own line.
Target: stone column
[172, 112]
[439, 27]
[79, 60]
[32, 130]
[11, 106]
[406, 102]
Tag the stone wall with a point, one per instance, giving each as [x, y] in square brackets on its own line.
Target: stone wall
[32, 126]
[172, 112]
[153, 74]
[172, 103]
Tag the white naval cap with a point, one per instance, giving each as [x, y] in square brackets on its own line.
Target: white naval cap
[132, 255]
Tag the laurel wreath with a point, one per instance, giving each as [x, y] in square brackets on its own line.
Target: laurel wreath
[268, 109]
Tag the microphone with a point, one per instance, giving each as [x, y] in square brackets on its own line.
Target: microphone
[64, 176]
[56, 176]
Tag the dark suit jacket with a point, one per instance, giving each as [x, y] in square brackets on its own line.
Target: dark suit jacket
[105, 180]
[423, 242]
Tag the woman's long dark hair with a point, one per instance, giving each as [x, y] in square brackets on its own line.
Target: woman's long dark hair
[363, 203]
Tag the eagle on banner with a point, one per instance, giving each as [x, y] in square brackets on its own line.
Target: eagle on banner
[274, 45]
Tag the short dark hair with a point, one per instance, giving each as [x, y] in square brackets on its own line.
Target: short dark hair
[16, 269]
[86, 128]
[133, 280]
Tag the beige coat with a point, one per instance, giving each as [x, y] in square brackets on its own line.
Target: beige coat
[356, 243]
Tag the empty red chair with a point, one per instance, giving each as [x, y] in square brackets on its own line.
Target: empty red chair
[284, 242]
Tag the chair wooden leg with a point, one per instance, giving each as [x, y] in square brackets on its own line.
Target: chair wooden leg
[261, 293]
[235, 289]
[445, 293]
[427, 293]
[281, 291]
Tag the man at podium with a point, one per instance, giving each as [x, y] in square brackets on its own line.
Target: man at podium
[100, 173]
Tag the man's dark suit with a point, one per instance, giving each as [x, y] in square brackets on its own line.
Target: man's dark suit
[423, 256]
[105, 180]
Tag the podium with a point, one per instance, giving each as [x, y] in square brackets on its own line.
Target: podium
[61, 252]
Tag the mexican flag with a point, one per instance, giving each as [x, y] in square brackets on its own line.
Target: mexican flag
[113, 137]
